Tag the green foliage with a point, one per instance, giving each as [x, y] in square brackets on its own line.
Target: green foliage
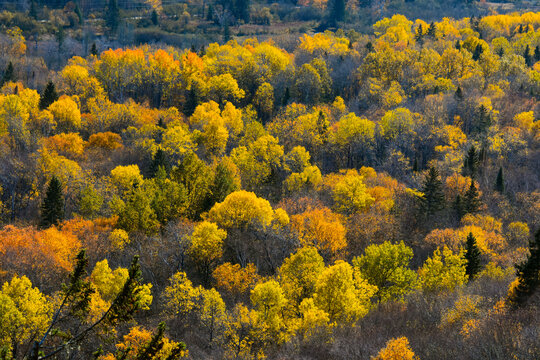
[528, 277]
[432, 198]
[52, 208]
[49, 96]
[472, 255]
[387, 267]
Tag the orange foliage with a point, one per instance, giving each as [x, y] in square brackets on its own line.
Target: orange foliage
[105, 140]
[235, 280]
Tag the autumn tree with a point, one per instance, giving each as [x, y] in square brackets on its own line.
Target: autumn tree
[52, 208]
[387, 267]
[398, 348]
[443, 271]
[206, 247]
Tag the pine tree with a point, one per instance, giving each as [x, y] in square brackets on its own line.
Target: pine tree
[79, 14]
[482, 120]
[472, 255]
[432, 29]
[433, 198]
[459, 94]
[471, 162]
[458, 45]
[337, 12]
[477, 52]
[226, 32]
[499, 183]
[160, 160]
[471, 201]
[191, 102]
[33, 11]
[113, 15]
[286, 97]
[369, 46]
[210, 13]
[241, 10]
[94, 50]
[52, 208]
[459, 207]
[49, 96]
[9, 74]
[528, 274]
[415, 164]
[419, 36]
[527, 56]
[154, 345]
[154, 18]
[537, 53]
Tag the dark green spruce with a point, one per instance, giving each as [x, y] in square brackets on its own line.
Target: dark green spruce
[472, 255]
[52, 208]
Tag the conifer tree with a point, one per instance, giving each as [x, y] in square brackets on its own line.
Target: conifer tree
[470, 165]
[537, 53]
[499, 183]
[286, 97]
[458, 45]
[191, 102]
[432, 30]
[52, 208]
[472, 255]
[415, 164]
[49, 96]
[154, 18]
[160, 160]
[9, 74]
[94, 50]
[154, 345]
[459, 94]
[337, 12]
[33, 11]
[477, 52]
[528, 274]
[527, 56]
[226, 32]
[419, 36]
[79, 14]
[459, 206]
[113, 15]
[471, 201]
[433, 198]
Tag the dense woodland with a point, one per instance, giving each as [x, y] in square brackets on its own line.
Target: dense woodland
[368, 193]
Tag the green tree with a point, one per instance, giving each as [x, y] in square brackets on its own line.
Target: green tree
[52, 208]
[499, 183]
[387, 267]
[154, 18]
[528, 274]
[48, 97]
[113, 15]
[93, 50]
[471, 162]
[471, 200]
[432, 199]
[337, 12]
[527, 56]
[9, 74]
[472, 255]
[160, 160]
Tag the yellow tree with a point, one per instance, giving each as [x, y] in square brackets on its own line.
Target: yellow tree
[444, 271]
[206, 246]
[396, 349]
[344, 295]
[66, 113]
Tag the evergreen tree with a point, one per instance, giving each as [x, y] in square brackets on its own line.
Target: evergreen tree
[337, 12]
[432, 29]
[154, 18]
[79, 14]
[33, 11]
[537, 53]
[419, 36]
[477, 52]
[471, 163]
[286, 97]
[459, 94]
[472, 255]
[49, 96]
[9, 74]
[113, 15]
[210, 13]
[433, 198]
[369, 46]
[528, 274]
[459, 206]
[160, 160]
[527, 56]
[154, 345]
[499, 183]
[191, 102]
[226, 32]
[471, 201]
[458, 45]
[482, 120]
[94, 50]
[52, 208]
[415, 164]
[241, 10]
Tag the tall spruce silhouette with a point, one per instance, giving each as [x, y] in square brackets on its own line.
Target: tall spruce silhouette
[499, 183]
[49, 96]
[433, 198]
[528, 274]
[52, 208]
[472, 255]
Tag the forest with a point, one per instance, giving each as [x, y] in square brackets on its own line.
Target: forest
[343, 191]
